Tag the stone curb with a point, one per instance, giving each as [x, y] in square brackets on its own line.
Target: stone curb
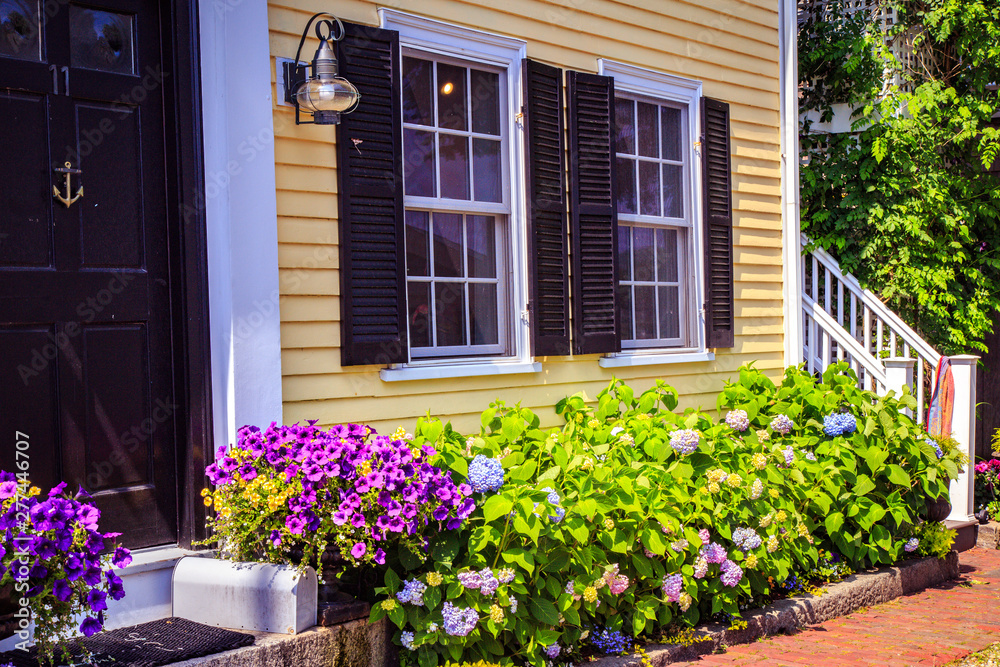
[354, 644]
[859, 590]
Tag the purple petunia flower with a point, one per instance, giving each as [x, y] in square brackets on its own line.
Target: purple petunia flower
[358, 550]
[90, 626]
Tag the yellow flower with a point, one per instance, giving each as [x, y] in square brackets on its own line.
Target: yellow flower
[763, 435]
[590, 593]
[772, 544]
[734, 481]
[750, 562]
[759, 461]
[803, 531]
[434, 579]
[765, 520]
[716, 475]
[579, 417]
[609, 523]
[713, 487]
[780, 516]
[642, 416]
[388, 604]
[774, 493]
[600, 583]
[496, 613]
[593, 423]
[208, 501]
[399, 433]
[685, 601]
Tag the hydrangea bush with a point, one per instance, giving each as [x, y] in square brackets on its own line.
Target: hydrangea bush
[57, 561]
[287, 493]
[633, 519]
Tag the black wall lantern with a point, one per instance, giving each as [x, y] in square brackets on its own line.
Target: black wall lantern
[322, 93]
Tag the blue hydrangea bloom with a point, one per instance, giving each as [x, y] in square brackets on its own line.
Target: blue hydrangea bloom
[610, 642]
[485, 474]
[937, 448]
[839, 423]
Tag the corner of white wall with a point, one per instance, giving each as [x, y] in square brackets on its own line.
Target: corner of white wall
[790, 221]
[241, 213]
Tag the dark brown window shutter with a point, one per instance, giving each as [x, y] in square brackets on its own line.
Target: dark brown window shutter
[370, 195]
[717, 205]
[593, 212]
[548, 244]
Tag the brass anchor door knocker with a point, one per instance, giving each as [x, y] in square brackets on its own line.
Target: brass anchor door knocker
[69, 198]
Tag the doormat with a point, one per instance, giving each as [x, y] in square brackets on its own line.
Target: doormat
[147, 645]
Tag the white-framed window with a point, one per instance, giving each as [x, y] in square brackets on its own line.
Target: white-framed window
[658, 175]
[464, 223]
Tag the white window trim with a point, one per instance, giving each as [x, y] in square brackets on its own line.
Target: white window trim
[417, 32]
[634, 80]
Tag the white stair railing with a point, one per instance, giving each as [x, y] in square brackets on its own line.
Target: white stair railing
[845, 322]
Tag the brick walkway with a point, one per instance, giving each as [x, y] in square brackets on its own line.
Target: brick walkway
[933, 627]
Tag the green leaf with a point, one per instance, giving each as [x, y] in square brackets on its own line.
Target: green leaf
[544, 611]
[432, 596]
[654, 541]
[392, 581]
[875, 457]
[833, 523]
[638, 624]
[864, 485]
[426, 657]
[496, 506]
[898, 476]
[398, 616]
[523, 472]
[551, 473]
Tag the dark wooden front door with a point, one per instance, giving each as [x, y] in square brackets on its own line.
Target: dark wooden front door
[86, 351]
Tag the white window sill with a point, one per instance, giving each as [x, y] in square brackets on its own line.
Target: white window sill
[646, 359]
[457, 371]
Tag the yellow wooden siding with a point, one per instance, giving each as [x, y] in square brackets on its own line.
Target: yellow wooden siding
[731, 47]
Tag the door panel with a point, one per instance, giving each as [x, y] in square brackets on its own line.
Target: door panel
[25, 178]
[111, 213]
[90, 279]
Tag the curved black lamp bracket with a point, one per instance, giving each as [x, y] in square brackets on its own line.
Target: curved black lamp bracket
[296, 74]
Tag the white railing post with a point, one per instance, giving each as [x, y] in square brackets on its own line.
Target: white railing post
[963, 426]
[899, 374]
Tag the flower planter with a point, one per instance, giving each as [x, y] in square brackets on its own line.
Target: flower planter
[938, 509]
[334, 605]
[249, 596]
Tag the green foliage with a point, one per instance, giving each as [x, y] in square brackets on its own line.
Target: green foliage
[902, 201]
[627, 510]
[935, 539]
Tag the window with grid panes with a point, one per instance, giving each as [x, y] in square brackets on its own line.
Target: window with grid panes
[457, 206]
[654, 223]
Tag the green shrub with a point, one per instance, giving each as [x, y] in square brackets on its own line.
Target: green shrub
[611, 525]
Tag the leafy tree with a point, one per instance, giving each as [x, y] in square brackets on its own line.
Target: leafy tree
[903, 200]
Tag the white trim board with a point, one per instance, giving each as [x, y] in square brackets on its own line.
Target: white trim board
[241, 212]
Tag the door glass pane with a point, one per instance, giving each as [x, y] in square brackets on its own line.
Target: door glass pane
[626, 184]
[418, 301]
[418, 163]
[481, 246]
[485, 102]
[670, 320]
[486, 169]
[624, 253]
[649, 138]
[483, 313]
[19, 29]
[454, 166]
[673, 191]
[645, 312]
[625, 126]
[101, 40]
[625, 310]
[670, 120]
[418, 257]
[448, 245]
[649, 188]
[451, 96]
[418, 84]
[642, 237]
[449, 313]
[666, 255]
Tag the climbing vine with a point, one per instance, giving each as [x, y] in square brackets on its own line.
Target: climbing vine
[904, 199]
